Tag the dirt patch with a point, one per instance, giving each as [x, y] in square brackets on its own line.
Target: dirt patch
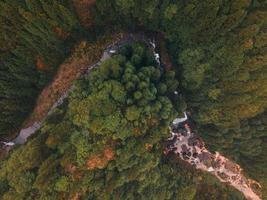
[82, 9]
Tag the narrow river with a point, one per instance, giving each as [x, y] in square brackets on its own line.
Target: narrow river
[109, 51]
[191, 148]
[183, 141]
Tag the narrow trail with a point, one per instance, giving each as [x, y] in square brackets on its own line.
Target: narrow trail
[191, 148]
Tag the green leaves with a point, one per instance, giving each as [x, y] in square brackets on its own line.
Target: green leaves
[21, 181]
[118, 92]
[125, 5]
[170, 11]
[62, 184]
[34, 37]
[132, 113]
[194, 68]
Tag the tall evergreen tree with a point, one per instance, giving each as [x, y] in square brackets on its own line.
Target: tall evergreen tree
[33, 41]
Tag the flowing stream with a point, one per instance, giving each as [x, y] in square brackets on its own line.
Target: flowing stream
[183, 142]
[109, 51]
[191, 148]
[27, 132]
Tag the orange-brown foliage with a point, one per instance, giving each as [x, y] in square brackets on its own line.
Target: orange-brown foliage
[78, 175]
[40, 64]
[101, 160]
[109, 153]
[137, 130]
[149, 146]
[84, 55]
[76, 196]
[70, 168]
[61, 33]
[82, 8]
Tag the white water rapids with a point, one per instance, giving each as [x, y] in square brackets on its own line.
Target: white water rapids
[191, 149]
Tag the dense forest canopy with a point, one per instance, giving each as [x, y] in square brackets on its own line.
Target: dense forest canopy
[104, 142]
[219, 48]
[35, 37]
[219, 54]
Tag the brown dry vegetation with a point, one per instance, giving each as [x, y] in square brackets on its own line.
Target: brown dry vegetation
[84, 55]
[148, 146]
[40, 64]
[101, 160]
[82, 9]
[61, 33]
[70, 168]
[76, 196]
[3, 153]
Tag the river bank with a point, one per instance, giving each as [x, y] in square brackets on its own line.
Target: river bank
[191, 148]
[78, 65]
[188, 146]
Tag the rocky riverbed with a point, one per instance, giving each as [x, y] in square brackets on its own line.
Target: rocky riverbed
[191, 148]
